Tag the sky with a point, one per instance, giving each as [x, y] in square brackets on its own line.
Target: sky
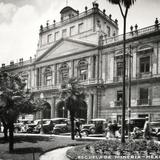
[20, 21]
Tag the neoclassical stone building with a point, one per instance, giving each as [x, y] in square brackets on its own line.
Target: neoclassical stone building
[87, 45]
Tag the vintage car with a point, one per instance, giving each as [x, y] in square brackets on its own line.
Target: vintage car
[65, 127]
[22, 125]
[31, 126]
[95, 126]
[134, 122]
[155, 128]
[48, 125]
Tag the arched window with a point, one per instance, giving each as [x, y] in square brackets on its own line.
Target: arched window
[48, 76]
[83, 69]
[64, 72]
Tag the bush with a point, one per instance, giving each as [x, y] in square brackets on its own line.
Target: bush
[137, 149]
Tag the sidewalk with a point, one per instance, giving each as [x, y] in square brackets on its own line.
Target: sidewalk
[58, 154]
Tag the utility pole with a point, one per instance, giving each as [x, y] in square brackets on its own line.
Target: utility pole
[42, 98]
[129, 89]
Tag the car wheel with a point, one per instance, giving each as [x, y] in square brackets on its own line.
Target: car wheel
[56, 132]
[93, 131]
[84, 133]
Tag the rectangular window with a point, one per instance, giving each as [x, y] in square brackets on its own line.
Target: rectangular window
[80, 28]
[83, 74]
[119, 98]
[145, 64]
[119, 68]
[56, 36]
[72, 30]
[94, 66]
[143, 96]
[48, 80]
[108, 31]
[119, 95]
[49, 38]
[64, 33]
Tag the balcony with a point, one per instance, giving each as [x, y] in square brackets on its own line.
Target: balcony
[86, 82]
[118, 103]
[44, 88]
[144, 75]
[132, 34]
[119, 78]
[143, 102]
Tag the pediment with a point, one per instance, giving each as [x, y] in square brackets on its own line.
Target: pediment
[65, 47]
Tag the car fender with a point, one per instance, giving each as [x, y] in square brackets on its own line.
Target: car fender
[87, 130]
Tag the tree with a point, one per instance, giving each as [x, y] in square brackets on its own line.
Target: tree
[14, 100]
[126, 4]
[72, 98]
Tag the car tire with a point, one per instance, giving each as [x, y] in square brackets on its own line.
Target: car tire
[56, 132]
[93, 131]
[84, 133]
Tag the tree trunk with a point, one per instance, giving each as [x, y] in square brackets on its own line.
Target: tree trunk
[5, 131]
[11, 137]
[72, 124]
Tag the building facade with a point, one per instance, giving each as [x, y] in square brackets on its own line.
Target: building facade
[87, 46]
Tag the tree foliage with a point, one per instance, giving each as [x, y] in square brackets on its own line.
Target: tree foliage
[14, 100]
[72, 97]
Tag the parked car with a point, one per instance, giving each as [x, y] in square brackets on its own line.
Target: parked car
[31, 126]
[95, 126]
[66, 126]
[134, 122]
[21, 125]
[155, 126]
[49, 124]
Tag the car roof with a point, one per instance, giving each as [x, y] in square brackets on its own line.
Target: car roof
[98, 119]
[53, 119]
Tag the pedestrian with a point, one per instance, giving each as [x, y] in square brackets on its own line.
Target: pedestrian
[110, 131]
[115, 128]
[78, 128]
[147, 129]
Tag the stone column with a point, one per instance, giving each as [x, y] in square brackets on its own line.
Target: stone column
[42, 76]
[95, 108]
[57, 75]
[35, 77]
[89, 109]
[56, 111]
[53, 108]
[53, 74]
[72, 68]
[90, 66]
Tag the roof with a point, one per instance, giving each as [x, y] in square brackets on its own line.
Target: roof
[66, 9]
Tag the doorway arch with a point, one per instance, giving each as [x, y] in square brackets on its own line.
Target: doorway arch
[47, 111]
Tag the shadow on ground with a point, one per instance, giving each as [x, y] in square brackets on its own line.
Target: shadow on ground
[21, 139]
[26, 150]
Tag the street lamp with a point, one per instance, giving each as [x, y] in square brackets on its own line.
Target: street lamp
[41, 97]
[63, 111]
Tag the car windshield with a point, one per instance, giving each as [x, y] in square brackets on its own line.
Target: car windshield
[46, 122]
[95, 122]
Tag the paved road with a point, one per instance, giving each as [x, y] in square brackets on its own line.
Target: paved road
[58, 154]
